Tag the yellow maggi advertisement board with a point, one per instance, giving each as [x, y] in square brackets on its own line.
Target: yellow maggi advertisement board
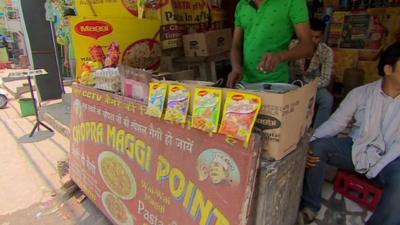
[177, 17]
[107, 42]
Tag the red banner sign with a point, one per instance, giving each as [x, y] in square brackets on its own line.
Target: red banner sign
[141, 170]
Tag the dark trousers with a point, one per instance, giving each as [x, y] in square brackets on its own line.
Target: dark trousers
[337, 152]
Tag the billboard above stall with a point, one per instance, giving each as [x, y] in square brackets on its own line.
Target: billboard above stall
[177, 17]
[107, 42]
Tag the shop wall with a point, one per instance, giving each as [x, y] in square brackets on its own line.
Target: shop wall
[359, 36]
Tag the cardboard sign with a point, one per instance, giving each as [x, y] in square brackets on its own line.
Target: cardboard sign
[94, 37]
[142, 170]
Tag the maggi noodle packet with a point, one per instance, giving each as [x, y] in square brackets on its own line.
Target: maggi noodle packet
[240, 113]
[206, 109]
[178, 103]
[157, 94]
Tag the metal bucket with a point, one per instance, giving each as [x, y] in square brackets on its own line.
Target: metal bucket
[218, 83]
[268, 87]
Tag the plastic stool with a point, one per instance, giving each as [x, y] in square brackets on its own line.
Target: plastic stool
[357, 188]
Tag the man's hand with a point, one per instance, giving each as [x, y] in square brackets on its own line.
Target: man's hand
[269, 62]
[66, 64]
[312, 160]
[233, 78]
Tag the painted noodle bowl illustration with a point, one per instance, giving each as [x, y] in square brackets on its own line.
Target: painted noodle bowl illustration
[116, 209]
[145, 54]
[116, 175]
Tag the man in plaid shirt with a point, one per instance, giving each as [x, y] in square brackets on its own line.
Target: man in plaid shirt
[320, 65]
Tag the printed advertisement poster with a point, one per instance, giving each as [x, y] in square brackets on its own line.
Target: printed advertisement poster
[181, 17]
[113, 41]
[120, 8]
[177, 17]
[142, 170]
[355, 31]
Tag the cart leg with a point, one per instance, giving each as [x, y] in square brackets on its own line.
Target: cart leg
[34, 128]
[47, 127]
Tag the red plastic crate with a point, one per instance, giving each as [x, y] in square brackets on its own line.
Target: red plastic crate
[357, 188]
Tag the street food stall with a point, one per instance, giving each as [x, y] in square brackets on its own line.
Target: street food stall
[156, 139]
[147, 150]
[140, 169]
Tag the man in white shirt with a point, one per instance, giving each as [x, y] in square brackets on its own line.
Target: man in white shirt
[373, 148]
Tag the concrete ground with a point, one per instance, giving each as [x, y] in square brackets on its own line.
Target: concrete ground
[30, 188]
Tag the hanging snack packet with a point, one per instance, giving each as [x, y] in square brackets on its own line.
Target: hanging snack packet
[240, 113]
[157, 94]
[206, 109]
[178, 103]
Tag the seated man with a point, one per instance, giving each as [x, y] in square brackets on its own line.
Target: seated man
[320, 65]
[373, 148]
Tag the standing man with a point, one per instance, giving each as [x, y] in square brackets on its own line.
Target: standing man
[373, 148]
[69, 53]
[262, 34]
[320, 65]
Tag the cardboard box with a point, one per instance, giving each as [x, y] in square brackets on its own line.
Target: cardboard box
[167, 64]
[283, 119]
[208, 43]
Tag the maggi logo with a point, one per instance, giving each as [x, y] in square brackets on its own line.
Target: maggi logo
[94, 29]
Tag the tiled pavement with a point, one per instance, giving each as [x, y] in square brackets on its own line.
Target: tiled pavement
[337, 210]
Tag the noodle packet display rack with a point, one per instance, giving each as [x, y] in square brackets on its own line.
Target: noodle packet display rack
[178, 104]
[157, 95]
[206, 109]
[239, 116]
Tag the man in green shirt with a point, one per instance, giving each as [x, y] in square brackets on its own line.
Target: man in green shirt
[262, 34]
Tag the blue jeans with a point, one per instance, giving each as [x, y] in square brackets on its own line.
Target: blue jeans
[337, 152]
[324, 103]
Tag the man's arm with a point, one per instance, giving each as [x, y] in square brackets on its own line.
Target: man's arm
[341, 118]
[303, 49]
[66, 57]
[326, 68]
[236, 57]
[296, 67]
